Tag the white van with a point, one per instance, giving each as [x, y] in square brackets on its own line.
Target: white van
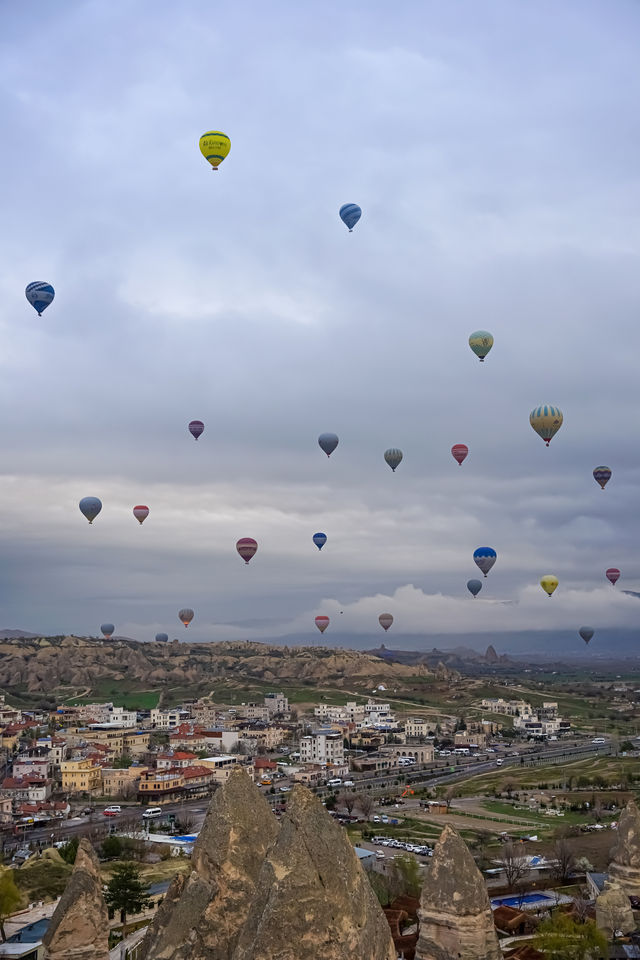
[334, 782]
[151, 813]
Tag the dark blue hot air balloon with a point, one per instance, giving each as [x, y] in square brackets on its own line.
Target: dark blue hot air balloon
[162, 637]
[40, 295]
[485, 557]
[319, 539]
[107, 629]
[350, 213]
[474, 587]
[90, 507]
[328, 442]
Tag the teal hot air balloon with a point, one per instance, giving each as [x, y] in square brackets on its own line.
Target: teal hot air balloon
[474, 587]
[586, 633]
[393, 456]
[90, 507]
[481, 342]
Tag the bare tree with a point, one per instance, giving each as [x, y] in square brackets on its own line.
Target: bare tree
[450, 794]
[347, 800]
[514, 864]
[366, 804]
[508, 787]
[564, 861]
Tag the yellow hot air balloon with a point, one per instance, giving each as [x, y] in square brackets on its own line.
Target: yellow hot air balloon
[549, 583]
[546, 421]
[214, 147]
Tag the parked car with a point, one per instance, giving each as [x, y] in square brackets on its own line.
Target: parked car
[112, 811]
[348, 783]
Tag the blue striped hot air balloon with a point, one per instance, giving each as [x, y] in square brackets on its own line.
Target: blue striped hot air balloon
[484, 558]
[546, 421]
[602, 475]
[350, 213]
[40, 295]
[319, 539]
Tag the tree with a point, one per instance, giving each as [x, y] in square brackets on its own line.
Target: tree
[366, 804]
[450, 794]
[111, 847]
[514, 864]
[564, 859]
[409, 870]
[126, 892]
[347, 800]
[563, 938]
[69, 850]
[9, 899]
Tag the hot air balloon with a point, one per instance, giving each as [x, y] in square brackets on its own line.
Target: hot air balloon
[546, 421]
[107, 629]
[246, 547]
[322, 623]
[214, 147]
[613, 575]
[141, 513]
[602, 475]
[481, 342]
[196, 428]
[393, 456]
[40, 295]
[319, 539]
[162, 637]
[185, 615]
[474, 587]
[484, 558]
[459, 452]
[548, 583]
[90, 507]
[385, 620]
[328, 442]
[350, 213]
[586, 633]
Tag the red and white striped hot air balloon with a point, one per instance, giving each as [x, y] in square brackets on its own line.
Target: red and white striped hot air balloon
[322, 623]
[459, 452]
[246, 547]
[613, 575]
[141, 513]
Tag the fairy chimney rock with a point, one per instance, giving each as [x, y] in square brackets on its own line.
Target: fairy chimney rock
[203, 914]
[313, 898]
[79, 928]
[613, 910]
[455, 913]
[625, 865]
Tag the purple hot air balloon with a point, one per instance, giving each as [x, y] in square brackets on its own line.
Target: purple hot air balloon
[246, 547]
[196, 428]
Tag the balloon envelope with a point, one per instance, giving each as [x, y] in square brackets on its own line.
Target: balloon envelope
[385, 620]
[613, 575]
[90, 507]
[328, 442]
[246, 547]
[484, 558]
[548, 583]
[319, 539]
[196, 428]
[350, 213]
[474, 587]
[459, 452]
[162, 637]
[40, 295]
[393, 456]
[141, 513]
[322, 623]
[481, 342]
[214, 147]
[546, 421]
[107, 629]
[586, 633]
[185, 615]
[602, 475]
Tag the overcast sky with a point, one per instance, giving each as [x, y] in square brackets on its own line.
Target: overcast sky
[494, 149]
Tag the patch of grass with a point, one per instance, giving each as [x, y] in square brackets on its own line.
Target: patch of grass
[42, 879]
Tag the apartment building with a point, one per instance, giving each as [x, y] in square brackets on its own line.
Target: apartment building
[322, 748]
[276, 703]
[81, 775]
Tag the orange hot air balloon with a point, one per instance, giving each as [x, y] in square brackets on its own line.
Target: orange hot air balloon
[322, 623]
[141, 513]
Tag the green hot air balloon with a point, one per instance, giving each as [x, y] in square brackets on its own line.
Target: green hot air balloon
[481, 342]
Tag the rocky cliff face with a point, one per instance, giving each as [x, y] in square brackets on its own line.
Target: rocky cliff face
[625, 865]
[203, 915]
[455, 913]
[313, 899]
[613, 910]
[260, 891]
[79, 928]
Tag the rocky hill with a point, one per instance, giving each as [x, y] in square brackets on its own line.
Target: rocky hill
[46, 664]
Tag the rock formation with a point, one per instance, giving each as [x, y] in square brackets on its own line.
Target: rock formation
[455, 913]
[79, 928]
[203, 914]
[613, 910]
[313, 898]
[625, 866]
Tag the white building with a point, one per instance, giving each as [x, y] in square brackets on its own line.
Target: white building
[276, 703]
[322, 748]
[417, 727]
[166, 719]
